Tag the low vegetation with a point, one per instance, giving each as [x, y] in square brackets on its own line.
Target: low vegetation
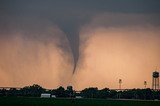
[106, 93]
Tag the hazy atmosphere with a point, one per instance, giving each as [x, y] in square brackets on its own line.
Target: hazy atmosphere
[83, 43]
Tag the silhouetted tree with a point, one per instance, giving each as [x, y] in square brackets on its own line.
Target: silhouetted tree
[156, 94]
[113, 94]
[12, 92]
[69, 91]
[34, 90]
[129, 94]
[60, 92]
[90, 92]
[103, 93]
[3, 92]
[53, 92]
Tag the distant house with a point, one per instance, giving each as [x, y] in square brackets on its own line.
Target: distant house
[78, 97]
[45, 95]
[53, 96]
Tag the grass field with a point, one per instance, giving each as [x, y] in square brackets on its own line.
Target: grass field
[21, 101]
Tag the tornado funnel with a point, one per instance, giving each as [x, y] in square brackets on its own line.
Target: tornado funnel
[73, 38]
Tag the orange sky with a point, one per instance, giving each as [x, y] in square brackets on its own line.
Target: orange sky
[129, 52]
[110, 53]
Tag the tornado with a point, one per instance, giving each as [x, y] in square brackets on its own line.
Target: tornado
[72, 35]
[74, 45]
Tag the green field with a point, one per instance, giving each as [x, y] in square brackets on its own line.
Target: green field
[21, 101]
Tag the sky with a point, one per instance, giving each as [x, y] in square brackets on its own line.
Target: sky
[83, 43]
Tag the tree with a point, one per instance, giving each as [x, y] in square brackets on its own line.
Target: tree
[113, 94]
[34, 90]
[103, 93]
[69, 91]
[12, 92]
[3, 92]
[90, 92]
[60, 92]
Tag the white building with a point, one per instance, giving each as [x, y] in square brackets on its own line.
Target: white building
[45, 95]
[78, 97]
[53, 96]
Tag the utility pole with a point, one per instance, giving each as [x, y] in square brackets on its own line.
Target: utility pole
[145, 84]
[120, 82]
[119, 92]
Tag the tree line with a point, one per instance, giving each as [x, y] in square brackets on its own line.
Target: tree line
[92, 92]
